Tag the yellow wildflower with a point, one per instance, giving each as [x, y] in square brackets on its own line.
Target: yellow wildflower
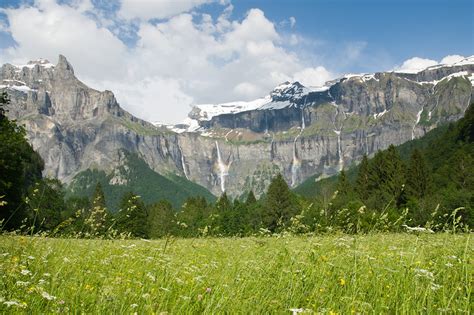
[342, 282]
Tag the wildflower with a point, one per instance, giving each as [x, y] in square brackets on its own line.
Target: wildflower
[11, 303]
[424, 273]
[22, 283]
[332, 313]
[342, 282]
[61, 302]
[296, 310]
[435, 286]
[47, 296]
[208, 290]
[134, 305]
[31, 257]
[199, 297]
[151, 277]
[47, 274]
[25, 272]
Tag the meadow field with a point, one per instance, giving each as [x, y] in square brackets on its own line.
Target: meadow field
[328, 274]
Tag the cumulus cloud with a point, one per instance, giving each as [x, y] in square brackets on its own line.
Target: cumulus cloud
[313, 76]
[49, 29]
[451, 59]
[180, 60]
[416, 64]
[152, 9]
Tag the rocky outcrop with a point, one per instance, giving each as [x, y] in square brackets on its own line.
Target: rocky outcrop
[295, 130]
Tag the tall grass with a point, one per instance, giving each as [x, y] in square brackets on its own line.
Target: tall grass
[374, 273]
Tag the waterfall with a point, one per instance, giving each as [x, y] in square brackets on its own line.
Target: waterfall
[296, 162]
[337, 131]
[339, 149]
[223, 168]
[183, 163]
[418, 116]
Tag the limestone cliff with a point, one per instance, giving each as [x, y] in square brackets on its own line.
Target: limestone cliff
[295, 130]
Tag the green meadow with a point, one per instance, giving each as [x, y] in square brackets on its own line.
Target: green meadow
[327, 274]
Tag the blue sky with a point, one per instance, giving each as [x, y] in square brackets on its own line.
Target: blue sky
[166, 54]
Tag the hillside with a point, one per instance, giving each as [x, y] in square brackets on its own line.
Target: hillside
[449, 155]
[134, 175]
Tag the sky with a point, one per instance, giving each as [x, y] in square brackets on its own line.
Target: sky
[160, 57]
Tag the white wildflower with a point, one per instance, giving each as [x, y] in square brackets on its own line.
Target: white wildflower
[25, 272]
[295, 311]
[22, 283]
[31, 257]
[47, 274]
[47, 296]
[435, 286]
[424, 273]
[151, 277]
[134, 305]
[11, 303]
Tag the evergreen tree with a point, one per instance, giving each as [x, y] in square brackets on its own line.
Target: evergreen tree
[418, 176]
[132, 216]
[344, 187]
[279, 206]
[98, 198]
[194, 217]
[20, 167]
[250, 198]
[362, 181]
[161, 219]
[45, 203]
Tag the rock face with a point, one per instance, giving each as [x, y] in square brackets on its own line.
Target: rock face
[239, 146]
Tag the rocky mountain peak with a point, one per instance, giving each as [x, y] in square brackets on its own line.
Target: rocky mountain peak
[288, 91]
[64, 67]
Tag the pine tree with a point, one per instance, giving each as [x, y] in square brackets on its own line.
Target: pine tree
[132, 216]
[250, 198]
[98, 219]
[418, 176]
[344, 187]
[99, 198]
[362, 181]
[279, 206]
[161, 219]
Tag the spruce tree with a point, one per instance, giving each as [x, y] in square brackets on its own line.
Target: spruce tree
[344, 187]
[362, 181]
[132, 216]
[250, 198]
[418, 176]
[98, 220]
[279, 205]
[161, 219]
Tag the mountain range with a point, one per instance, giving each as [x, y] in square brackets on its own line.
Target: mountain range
[295, 130]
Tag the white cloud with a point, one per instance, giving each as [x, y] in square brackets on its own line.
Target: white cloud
[451, 59]
[313, 76]
[184, 59]
[416, 64]
[292, 21]
[51, 29]
[161, 9]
